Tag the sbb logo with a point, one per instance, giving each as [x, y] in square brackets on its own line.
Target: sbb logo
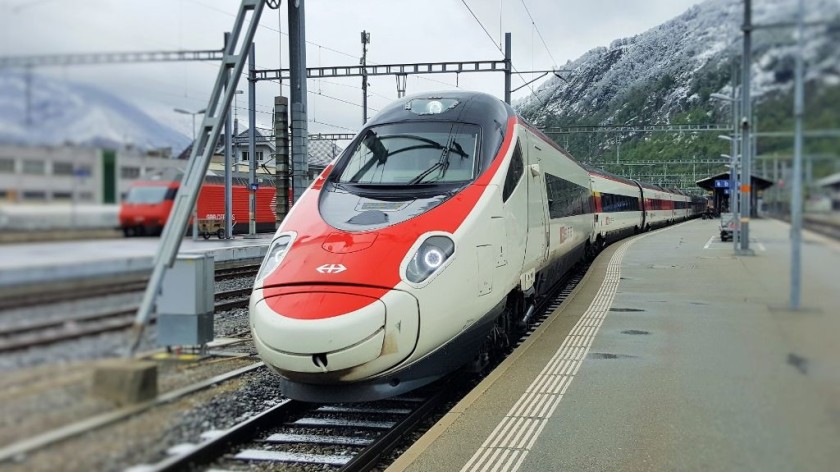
[331, 268]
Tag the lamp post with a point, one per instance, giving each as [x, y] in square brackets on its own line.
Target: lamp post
[734, 190]
[195, 208]
[230, 162]
[732, 100]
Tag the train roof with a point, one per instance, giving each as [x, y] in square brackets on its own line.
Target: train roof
[469, 107]
[608, 175]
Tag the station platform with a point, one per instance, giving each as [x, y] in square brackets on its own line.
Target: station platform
[671, 354]
[22, 264]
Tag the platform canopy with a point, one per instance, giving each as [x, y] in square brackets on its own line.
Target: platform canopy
[758, 183]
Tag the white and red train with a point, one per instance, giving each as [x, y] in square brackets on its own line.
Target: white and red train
[427, 245]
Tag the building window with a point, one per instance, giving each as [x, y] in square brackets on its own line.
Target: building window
[34, 167]
[7, 165]
[62, 195]
[129, 172]
[259, 155]
[244, 156]
[83, 170]
[34, 195]
[85, 196]
[62, 168]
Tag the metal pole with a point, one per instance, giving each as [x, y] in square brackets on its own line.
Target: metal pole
[776, 196]
[228, 162]
[280, 49]
[796, 197]
[508, 68]
[746, 114]
[195, 206]
[365, 39]
[28, 81]
[281, 160]
[733, 170]
[200, 155]
[297, 81]
[733, 181]
[252, 135]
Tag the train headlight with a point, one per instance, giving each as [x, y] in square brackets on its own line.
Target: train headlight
[276, 252]
[430, 106]
[430, 256]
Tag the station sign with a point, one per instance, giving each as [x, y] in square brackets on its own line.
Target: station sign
[722, 183]
[255, 186]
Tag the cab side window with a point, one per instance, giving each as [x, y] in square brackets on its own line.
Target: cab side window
[514, 173]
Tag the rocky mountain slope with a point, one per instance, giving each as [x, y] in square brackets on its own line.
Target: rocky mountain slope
[665, 76]
[66, 112]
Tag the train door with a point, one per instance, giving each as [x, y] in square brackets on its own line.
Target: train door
[515, 198]
[536, 251]
[642, 205]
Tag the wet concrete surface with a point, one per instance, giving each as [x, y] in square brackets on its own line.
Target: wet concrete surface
[698, 365]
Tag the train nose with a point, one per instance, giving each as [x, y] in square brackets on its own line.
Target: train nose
[333, 330]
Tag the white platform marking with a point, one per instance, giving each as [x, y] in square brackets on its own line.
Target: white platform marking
[709, 242]
[506, 447]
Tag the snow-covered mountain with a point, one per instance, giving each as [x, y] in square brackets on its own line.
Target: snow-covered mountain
[66, 112]
[672, 68]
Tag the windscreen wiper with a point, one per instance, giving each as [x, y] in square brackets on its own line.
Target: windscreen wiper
[442, 163]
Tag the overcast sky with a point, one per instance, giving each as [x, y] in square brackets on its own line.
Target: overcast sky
[402, 31]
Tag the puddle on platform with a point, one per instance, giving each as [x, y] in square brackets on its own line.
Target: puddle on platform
[634, 331]
[800, 363]
[607, 355]
[626, 310]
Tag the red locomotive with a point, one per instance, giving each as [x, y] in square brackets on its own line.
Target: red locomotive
[146, 207]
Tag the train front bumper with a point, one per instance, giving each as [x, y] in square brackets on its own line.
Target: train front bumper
[304, 338]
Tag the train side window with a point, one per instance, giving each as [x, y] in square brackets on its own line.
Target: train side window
[514, 173]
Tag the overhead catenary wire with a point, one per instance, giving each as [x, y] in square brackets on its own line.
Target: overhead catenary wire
[553, 61]
[343, 53]
[490, 37]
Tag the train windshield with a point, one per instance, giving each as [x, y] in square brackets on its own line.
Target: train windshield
[147, 195]
[412, 154]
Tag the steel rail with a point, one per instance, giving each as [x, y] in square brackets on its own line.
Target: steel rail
[113, 320]
[369, 457]
[62, 433]
[104, 288]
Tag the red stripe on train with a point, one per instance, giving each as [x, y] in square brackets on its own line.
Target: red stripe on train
[375, 268]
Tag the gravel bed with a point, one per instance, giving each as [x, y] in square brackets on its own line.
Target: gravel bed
[128, 442]
[111, 344]
[61, 310]
[58, 311]
[257, 392]
[231, 322]
[234, 284]
[26, 399]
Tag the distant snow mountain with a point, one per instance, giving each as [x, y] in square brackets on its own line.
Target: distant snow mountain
[66, 112]
[673, 68]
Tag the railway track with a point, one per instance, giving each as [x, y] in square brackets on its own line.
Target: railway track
[41, 333]
[99, 288]
[344, 437]
[352, 437]
[295, 435]
[825, 227]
